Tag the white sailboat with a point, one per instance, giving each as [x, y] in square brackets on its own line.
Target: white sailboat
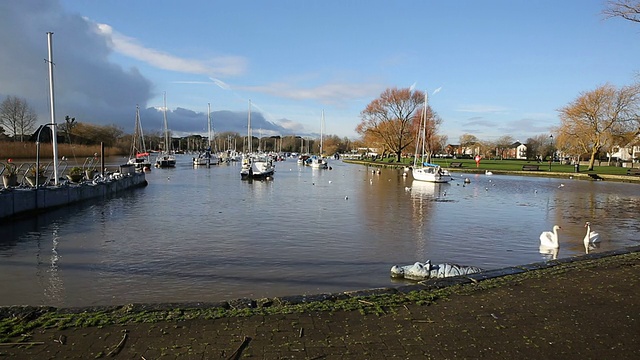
[422, 170]
[255, 166]
[318, 162]
[207, 157]
[139, 157]
[165, 158]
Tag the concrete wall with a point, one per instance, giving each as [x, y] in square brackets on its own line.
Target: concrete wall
[20, 201]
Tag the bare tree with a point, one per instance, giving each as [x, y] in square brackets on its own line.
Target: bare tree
[392, 120]
[598, 118]
[540, 146]
[626, 9]
[67, 127]
[17, 117]
[503, 143]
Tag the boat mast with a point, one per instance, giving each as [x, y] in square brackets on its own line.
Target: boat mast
[209, 123]
[249, 135]
[136, 134]
[166, 127]
[426, 119]
[420, 138]
[144, 146]
[54, 136]
[321, 132]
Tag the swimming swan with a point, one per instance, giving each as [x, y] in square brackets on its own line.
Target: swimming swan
[550, 239]
[591, 236]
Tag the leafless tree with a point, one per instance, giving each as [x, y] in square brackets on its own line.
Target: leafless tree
[391, 121]
[17, 117]
[598, 118]
[626, 9]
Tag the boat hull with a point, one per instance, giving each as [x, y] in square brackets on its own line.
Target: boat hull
[431, 174]
[256, 175]
[141, 164]
[256, 169]
[166, 162]
[206, 159]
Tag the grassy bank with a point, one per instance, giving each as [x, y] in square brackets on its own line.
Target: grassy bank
[469, 165]
[21, 321]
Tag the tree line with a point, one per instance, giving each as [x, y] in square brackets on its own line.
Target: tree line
[18, 123]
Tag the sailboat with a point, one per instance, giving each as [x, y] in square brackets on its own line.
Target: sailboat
[165, 159]
[207, 157]
[422, 170]
[139, 157]
[318, 162]
[255, 166]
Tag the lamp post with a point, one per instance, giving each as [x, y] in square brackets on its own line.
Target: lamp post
[552, 151]
[38, 154]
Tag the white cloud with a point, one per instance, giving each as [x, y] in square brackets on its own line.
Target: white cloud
[330, 93]
[219, 66]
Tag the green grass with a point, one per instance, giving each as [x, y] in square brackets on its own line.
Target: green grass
[503, 165]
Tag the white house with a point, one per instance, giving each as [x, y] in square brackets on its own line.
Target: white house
[627, 153]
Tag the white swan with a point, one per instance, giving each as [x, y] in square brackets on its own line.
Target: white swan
[550, 239]
[487, 172]
[591, 236]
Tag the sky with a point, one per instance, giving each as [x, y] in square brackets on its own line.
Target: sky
[491, 67]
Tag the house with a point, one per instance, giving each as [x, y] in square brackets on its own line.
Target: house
[627, 153]
[516, 150]
[459, 150]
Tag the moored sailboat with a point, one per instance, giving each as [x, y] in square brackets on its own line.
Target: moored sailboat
[207, 157]
[139, 156]
[165, 158]
[423, 170]
[319, 162]
[255, 166]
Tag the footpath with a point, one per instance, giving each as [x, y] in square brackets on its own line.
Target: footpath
[580, 308]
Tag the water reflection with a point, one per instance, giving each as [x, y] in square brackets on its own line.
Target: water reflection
[204, 235]
[549, 253]
[435, 191]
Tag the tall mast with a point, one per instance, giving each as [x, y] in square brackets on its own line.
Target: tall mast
[249, 135]
[54, 136]
[321, 132]
[209, 122]
[424, 134]
[166, 126]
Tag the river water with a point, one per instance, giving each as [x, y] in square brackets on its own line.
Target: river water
[202, 234]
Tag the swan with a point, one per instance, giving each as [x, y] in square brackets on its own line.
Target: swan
[550, 239]
[487, 172]
[591, 236]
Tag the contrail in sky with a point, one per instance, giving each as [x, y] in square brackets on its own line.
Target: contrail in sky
[437, 90]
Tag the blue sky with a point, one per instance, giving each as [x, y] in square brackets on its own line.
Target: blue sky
[502, 67]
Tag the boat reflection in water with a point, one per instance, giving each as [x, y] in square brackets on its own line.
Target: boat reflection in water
[429, 189]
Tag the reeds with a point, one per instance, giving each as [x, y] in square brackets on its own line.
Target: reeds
[27, 150]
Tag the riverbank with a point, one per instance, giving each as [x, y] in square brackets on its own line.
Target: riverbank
[569, 308]
[600, 173]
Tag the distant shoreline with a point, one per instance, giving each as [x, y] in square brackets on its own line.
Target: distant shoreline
[497, 171]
